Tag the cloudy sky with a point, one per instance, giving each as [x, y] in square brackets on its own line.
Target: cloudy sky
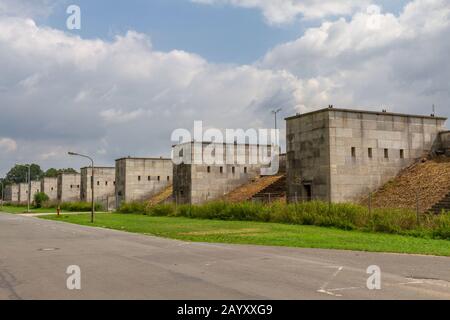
[139, 69]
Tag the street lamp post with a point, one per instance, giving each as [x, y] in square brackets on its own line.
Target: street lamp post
[92, 182]
[3, 193]
[29, 188]
[275, 113]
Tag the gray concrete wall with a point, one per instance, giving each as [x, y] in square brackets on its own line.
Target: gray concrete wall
[308, 157]
[330, 150]
[12, 193]
[23, 191]
[405, 139]
[69, 185]
[182, 183]
[197, 183]
[283, 160]
[104, 183]
[445, 142]
[138, 179]
[50, 187]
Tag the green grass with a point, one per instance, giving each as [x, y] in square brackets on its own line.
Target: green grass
[23, 209]
[262, 233]
[345, 216]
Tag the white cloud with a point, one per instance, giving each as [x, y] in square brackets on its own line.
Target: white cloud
[123, 96]
[7, 145]
[285, 11]
[119, 116]
[60, 92]
[373, 60]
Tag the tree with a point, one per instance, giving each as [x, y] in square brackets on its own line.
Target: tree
[53, 173]
[19, 173]
[39, 199]
[69, 170]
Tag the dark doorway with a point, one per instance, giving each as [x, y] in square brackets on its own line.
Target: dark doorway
[307, 192]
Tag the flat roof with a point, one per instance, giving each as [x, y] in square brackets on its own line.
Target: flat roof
[88, 167]
[223, 143]
[137, 158]
[365, 112]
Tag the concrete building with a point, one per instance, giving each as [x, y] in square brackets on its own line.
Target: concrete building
[138, 179]
[444, 141]
[69, 185]
[104, 184]
[23, 191]
[198, 182]
[342, 155]
[12, 193]
[50, 187]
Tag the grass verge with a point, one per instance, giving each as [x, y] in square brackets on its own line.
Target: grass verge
[343, 216]
[262, 233]
[23, 209]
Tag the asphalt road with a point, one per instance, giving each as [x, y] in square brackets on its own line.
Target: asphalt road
[35, 254]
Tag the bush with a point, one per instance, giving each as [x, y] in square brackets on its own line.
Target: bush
[80, 206]
[132, 207]
[39, 199]
[343, 216]
[72, 206]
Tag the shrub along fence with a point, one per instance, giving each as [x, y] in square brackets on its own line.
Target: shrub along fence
[342, 216]
[72, 206]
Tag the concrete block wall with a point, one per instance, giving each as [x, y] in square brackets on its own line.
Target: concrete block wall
[445, 142]
[196, 182]
[308, 157]
[69, 185]
[345, 154]
[104, 183]
[12, 193]
[368, 149]
[50, 187]
[23, 191]
[138, 179]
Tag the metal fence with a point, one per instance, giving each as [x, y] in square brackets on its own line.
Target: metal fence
[419, 202]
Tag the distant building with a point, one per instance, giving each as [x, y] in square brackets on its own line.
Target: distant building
[12, 193]
[50, 187]
[342, 155]
[23, 191]
[104, 184]
[69, 187]
[138, 179]
[198, 182]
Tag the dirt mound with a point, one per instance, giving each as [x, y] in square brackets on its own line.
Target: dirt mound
[247, 191]
[428, 180]
[161, 197]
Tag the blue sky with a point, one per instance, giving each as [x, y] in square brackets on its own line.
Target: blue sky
[219, 33]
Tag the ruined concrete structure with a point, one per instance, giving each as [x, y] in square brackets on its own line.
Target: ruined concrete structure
[23, 191]
[104, 184]
[50, 187]
[342, 155]
[12, 193]
[138, 179]
[199, 182]
[69, 187]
